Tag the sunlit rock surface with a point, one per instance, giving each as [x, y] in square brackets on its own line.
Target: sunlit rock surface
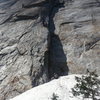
[42, 40]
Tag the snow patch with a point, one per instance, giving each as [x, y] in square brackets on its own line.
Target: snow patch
[62, 87]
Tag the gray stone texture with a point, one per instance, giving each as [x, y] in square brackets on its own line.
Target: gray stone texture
[41, 40]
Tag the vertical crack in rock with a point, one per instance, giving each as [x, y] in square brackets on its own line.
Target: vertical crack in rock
[57, 61]
[25, 60]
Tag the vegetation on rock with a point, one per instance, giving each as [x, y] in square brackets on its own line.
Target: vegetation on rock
[54, 97]
[88, 86]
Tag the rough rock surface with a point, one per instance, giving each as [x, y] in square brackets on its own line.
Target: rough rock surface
[78, 27]
[23, 43]
[41, 40]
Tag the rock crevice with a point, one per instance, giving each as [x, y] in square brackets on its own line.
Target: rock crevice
[57, 67]
[43, 39]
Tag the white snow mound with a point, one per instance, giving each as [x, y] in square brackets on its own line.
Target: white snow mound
[61, 87]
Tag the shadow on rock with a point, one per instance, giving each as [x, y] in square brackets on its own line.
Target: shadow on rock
[57, 58]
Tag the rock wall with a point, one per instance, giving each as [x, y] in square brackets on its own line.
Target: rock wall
[78, 27]
[23, 47]
[43, 39]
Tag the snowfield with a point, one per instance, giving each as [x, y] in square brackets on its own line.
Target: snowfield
[61, 87]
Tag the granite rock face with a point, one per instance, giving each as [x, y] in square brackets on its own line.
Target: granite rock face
[23, 43]
[78, 27]
[44, 39]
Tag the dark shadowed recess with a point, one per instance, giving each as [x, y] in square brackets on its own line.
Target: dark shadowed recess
[40, 4]
[25, 17]
[57, 58]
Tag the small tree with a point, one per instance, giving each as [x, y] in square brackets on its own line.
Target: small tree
[88, 85]
[54, 97]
